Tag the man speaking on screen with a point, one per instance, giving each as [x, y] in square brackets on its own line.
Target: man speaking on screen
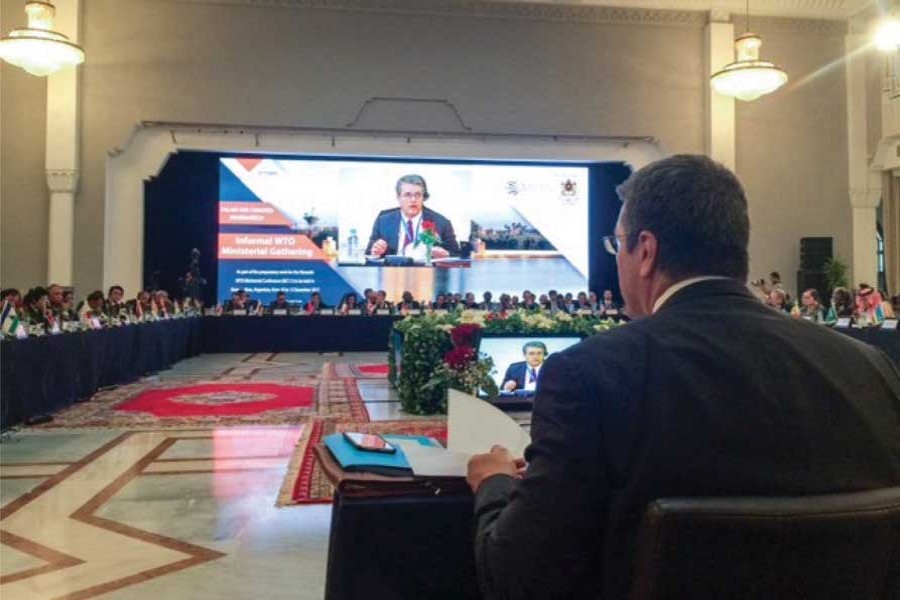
[524, 375]
[397, 230]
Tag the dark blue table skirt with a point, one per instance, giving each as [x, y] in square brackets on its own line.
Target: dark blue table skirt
[45, 374]
[888, 341]
[297, 334]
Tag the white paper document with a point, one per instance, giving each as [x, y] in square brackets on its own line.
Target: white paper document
[473, 426]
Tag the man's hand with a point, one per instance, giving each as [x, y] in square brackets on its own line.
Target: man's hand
[509, 385]
[498, 461]
[438, 252]
[379, 247]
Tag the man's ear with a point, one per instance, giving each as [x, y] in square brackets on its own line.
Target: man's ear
[648, 247]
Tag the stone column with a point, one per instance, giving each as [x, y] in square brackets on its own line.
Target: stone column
[865, 186]
[63, 184]
[62, 162]
[720, 125]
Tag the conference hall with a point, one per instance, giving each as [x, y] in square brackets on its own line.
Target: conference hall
[450, 299]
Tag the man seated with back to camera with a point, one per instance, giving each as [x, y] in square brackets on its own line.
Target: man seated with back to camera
[678, 403]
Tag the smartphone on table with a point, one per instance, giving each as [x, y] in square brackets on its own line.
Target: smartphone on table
[369, 442]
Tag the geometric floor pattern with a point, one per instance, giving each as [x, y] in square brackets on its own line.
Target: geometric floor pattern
[138, 513]
[152, 514]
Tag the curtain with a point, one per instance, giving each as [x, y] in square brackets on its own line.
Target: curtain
[890, 198]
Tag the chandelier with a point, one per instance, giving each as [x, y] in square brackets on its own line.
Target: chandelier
[37, 48]
[748, 77]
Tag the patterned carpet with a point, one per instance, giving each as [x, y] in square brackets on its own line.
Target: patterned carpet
[220, 391]
[305, 482]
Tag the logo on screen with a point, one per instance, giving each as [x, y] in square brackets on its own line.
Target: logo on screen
[569, 191]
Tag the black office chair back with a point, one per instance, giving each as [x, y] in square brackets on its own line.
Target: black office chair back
[831, 547]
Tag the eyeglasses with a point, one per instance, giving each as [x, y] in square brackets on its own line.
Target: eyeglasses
[410, 195]
[612, 244]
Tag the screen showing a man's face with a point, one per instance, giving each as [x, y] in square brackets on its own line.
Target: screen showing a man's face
[534, 356]
[411, 199]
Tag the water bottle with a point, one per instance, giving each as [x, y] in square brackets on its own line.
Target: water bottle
[352, 245]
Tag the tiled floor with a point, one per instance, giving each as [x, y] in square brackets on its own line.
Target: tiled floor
[181, 514]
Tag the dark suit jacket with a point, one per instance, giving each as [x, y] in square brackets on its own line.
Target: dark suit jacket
[387, 228]
[714, 395]
[516, 372]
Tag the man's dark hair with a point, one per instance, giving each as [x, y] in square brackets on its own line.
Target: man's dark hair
[116, 287]
[281, 293]
[9, 292]
[34, 294]
[697, 210]
[95, 295]
[414, 180]
[775, 275]
[814, 294]
[534, 344]
[487, 296]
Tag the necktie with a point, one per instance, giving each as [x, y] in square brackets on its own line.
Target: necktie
[409, 234]
[532, 376]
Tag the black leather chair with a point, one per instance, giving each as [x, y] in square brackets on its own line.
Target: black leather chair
[830, 547]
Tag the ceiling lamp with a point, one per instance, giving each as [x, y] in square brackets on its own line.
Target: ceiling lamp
[37, 48]
[887, 37]
[748, 77]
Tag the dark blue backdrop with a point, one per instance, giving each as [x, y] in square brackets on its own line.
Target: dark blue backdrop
[181, 213]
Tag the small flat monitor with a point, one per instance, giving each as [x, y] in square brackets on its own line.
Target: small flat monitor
[518, 361]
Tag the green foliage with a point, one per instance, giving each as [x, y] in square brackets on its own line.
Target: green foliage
[422, 379]
[836, 273]
[424, 346]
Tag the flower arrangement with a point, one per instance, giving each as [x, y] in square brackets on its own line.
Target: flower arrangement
[439, 351]
[429, 235]
[463, 368]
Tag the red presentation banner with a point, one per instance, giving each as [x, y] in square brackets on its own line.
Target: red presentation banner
[263, 246]
[250, 213]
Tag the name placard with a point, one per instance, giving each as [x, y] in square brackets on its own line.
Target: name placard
[280, 312]
[843, 322]
[889, 325]
[440, 311]
[585, 312]
[326, 311]
[354, 312]
[611, 311]
[239, 312]
[383, 311]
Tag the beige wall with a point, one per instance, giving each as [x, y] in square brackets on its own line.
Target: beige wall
[233, 64]
[24, 200]
[181, 61]
[792, 152]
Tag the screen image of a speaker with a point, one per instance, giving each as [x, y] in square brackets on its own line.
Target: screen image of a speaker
[814, 252]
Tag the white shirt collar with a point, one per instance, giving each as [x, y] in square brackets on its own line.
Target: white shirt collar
[677, 287]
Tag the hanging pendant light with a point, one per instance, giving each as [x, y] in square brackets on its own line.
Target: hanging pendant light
[748, 77]
[37, 48]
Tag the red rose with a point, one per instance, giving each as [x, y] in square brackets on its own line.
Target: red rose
[464, 335]
[459, 358]
[428, 226]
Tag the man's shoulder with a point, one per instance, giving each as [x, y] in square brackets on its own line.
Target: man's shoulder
[389, 212]
[432, 215]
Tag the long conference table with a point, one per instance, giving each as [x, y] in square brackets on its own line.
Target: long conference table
[41, 375]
